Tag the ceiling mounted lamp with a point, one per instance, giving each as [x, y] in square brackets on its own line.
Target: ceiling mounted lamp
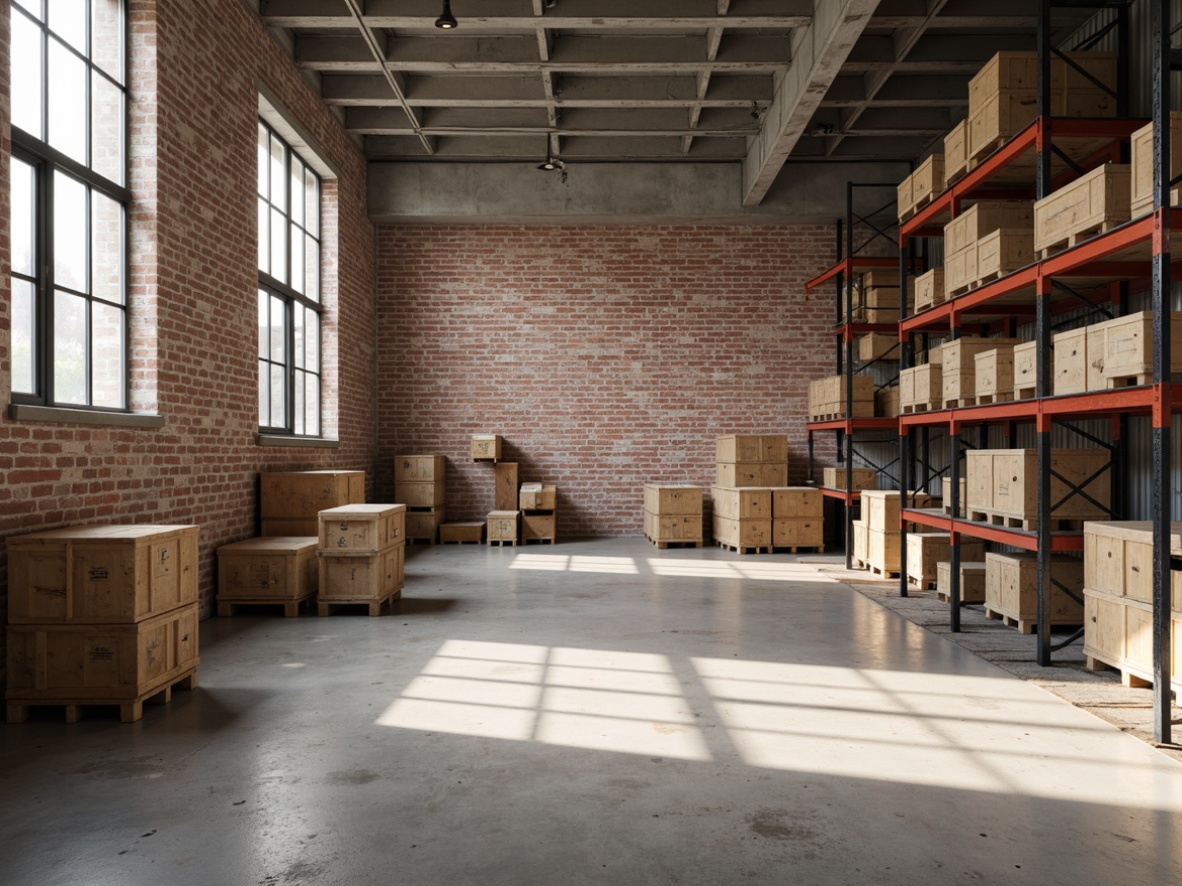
[446, 20]
[550, 164]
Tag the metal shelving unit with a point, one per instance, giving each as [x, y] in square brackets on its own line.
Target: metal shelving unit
[1048, 153]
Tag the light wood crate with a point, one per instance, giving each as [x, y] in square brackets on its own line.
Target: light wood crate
[827, 397]
[886, 402]
[946, 491]
[1128, 348]
[1141, 176]
[956, 152]
[861, 543]
[1118, 631]
[742, 503]
[503, 526]
[798, 502]
[878, 346]
[486, 447]
[422, 524]
[462, 532]
[835, 478]
[744, 474]
[752, 448]
[1078, 360]
[505, 486]
[927, 181]
[972, 581]
[959, 368]
[1003, 485]
[926, 549]
[673, 499]
[1096, 202]
[929, 289]
[416, 494]
[798, 532]
[101, 664]
[982, 219]
[365, 579]
[537, 497]
[995, 374]
[113, 574]
[362, 529]
[743, 534]
[880, 507]
[271, 570]
[921, 388]
[539, 526]
[1025, 370]
[664, 529]
[1118, 559]
[1003, 252]
[420, 468]
[1011, 590]
[882, 552]
[960, 270]
[301, 495]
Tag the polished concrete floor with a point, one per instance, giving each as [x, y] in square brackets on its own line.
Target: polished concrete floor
[598, 712]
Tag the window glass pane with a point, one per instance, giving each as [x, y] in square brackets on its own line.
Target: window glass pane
[312, 269]
[278, 246]
[312, 341]
[106, 233]
[278, 342]
[297, 259]
[264, 238]
[69, 232]
[26, 69]
[264, 326]
[264, 178]
[69, 349]
[312, 201]
[33, 6]
[24, 219]
[298, 424]
[106, 128]
[264, 392]
[24, 337]
[278, 175]
[67, 19]
[299, 357]
[67, 101]
[278, 404]
[106, 355]
[297, 190]
[312, 404]
[106, 36]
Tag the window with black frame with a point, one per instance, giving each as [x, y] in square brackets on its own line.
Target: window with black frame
[289, 289]
[69, 196]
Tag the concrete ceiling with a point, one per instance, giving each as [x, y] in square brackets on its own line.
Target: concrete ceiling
[754, 82]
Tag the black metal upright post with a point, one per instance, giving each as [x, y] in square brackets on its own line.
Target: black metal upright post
[848, 343]
[1043, 337]
[904, 480]
[954, 547]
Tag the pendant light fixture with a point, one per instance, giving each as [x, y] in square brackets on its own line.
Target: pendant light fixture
[446, 20]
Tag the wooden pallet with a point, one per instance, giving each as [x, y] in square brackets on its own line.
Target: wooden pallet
[291, 608]
[920, 585]
[1023, 626]
[983, 399]
[885, 573]
[792, 549]
[130, 710]
[664, 545]
[324, 607]
[959, 402]
[739, 549]
[466, 541]
[1077, 238]
[545, 541]
[1134, 678]
[1130, 381]
[411, 540]
[1024, 393]
[924, 406]
[945, 597]
[501, 542]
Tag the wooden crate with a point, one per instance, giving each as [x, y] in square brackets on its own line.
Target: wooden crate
[929, 289]
[462, 532]
[880, 508]
[959, 367]
[1011, 590]
[798, 532]
[503, 526]
[539, 526]
[1006, 71]
[886, 402]
[537, 497]
[927, 181]
[1003, 485]
[420, 468]
[903, 202]
[101, 664]
[797, 502]
[422, 524]
[972, 581]
[742, 534]
[362, 529]
[960, 270]
[861, 543]
[1078, 360]
[1118, 631]
[672, 499]
[752, 448]
[882, 551]
[921, 388]
[835, 478]
[742, 503]
[365, 579]
[956, 152]
[663, 529]
[1118, 559]
[1128, 348]
[885, 279]
[1003, 252]
[416, 494]
[994, 374]
[101, 574]
[1141, 172]
[1098, 201]
[999, 117]
[1025, 370]
[982, 219]
[926, 549]
[877, 346]
[505, 486]
[946, 492]
[301, 495]
[486, 447]
[744, 474]
[827, 397]
[274, 570]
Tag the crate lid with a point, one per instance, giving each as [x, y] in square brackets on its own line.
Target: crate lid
[273, 544]
[105, 533]
[359, 510]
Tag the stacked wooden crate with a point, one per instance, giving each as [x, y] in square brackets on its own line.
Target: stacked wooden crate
[1002, 486]
[274, 570]
[1094, 203]
[503, 527]
[926, 550]
[504, 521]
[876, 297]
[994, 373]
[742, 518]
[921, 387]
[752, 460]
[878, 346]
[972, 582]
[880, 527]
[486, 447]
[835, 478]
[1113, 354]
[1011, 590]
[420, 484]
[958, 375]
[828, 400]
[462, 532]
[798, 514]
[946, 500]
[538, 504]
[917, 190]
[290, 501]
[1118, 599]
[1141, 171]
[1026, 370]
[987, 241]
[673, 515]
[101, 615]
[362, 551]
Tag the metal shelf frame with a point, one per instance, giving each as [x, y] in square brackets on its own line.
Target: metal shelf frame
[1094, 272]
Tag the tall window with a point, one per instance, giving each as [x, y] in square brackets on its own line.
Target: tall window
[69, 199]
[289, 289]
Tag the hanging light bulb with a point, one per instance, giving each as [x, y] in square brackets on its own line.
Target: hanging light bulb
[549, 165]
[446, 20]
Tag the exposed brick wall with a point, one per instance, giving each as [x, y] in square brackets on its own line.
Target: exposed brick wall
[606, 356]
[193, 285]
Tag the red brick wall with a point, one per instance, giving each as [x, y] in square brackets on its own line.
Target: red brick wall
[606, 356]
[193, 296]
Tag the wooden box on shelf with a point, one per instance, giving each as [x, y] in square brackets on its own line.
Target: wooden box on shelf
[877, 346]
[835, 478]
[983, 219]
[1141, 178]
[362, 529]
[1118, 559]
[113, 574]
[926, 549]
[927, 181]
[1079, 360]
[959, 373]
[1025, 370]
[828, 398]
[1098, 201]
[1011, 589]
[921, 388]
[1003, 252]
[946, 500]
[880, 508]
[995, 374]
[272, 569]
[1128, 348]
[929, 289]
[1003, 485]
[972, 581]
[956, 152]
[290, 500]
[886, 402]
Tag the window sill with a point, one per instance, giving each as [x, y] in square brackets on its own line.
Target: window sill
[26, 412]
[303, 442]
